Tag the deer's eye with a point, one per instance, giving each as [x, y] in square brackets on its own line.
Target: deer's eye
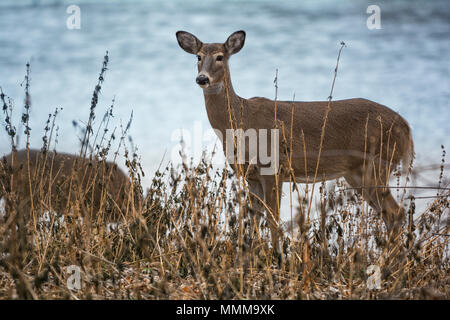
[199, 58]
[219, 58]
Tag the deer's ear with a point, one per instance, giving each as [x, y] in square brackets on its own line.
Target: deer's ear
[235, 42]
[188, 42]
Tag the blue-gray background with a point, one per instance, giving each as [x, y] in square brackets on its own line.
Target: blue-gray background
[405, 65]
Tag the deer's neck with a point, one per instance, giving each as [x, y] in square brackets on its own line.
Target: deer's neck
[220, 101]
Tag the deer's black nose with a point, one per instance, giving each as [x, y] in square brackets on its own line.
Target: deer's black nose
[202, 79]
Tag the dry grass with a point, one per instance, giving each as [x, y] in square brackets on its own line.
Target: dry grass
[189, 237]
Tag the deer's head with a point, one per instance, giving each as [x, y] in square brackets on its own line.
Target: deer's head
[212, 57]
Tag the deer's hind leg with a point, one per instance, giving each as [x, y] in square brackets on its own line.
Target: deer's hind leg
[370, 186]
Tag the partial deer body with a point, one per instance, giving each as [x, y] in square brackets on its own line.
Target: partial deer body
[63, 179]
[363, 142]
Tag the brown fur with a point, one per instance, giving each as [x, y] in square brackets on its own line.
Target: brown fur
[364, 141]
[56, 175]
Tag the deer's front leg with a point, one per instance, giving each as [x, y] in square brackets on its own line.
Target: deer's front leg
[273, 191]
[256, 197]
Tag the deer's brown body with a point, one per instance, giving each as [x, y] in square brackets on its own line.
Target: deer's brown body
[363, 141]
[60, 180]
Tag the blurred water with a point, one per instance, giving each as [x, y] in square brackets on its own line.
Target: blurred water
[404, 65]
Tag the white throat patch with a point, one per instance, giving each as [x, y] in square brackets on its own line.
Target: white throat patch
[213, 89]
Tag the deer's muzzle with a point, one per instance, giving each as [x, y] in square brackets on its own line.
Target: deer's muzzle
[202, 79]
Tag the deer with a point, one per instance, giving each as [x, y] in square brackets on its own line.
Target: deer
[363, 141]
[63, 178]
